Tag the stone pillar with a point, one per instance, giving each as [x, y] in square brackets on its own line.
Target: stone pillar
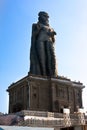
[53, 96]
[29, 95]
[66, 115]
[81, 116]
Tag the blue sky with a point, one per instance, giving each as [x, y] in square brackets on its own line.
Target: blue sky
[69, 20]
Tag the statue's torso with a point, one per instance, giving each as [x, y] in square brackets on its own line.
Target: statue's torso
[44, 33]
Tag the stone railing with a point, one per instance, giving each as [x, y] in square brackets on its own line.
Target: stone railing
[42, 123]
[40, 113]
[49, 119]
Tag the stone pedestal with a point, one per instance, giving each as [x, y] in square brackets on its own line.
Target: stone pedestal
[54, 94]
[40, 93]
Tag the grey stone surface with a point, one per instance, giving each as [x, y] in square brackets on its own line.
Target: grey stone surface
[23, 128]
[42, 54]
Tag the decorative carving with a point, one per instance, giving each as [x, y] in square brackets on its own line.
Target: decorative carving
[61, 92]
[42, 55]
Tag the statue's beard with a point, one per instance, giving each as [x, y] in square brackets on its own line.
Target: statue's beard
[45, 22]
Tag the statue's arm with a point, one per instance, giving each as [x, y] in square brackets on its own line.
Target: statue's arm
[35, 29]
[35, 32]
[52, 33]
[33, 42]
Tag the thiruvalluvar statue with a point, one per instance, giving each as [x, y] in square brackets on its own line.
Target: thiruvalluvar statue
[42, 53]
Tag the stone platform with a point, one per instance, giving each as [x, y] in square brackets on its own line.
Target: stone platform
[38, 93]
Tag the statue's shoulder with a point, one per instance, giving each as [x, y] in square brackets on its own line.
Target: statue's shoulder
[34, 26]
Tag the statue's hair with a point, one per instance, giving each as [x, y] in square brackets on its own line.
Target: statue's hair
[40, 18]
[43, 13]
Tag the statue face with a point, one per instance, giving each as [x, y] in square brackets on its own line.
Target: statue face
[44, 20]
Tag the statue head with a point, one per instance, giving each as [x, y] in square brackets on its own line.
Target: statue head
[43, 18]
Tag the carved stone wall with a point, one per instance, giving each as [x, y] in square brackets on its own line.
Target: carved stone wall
[45, 94]
[40, 95]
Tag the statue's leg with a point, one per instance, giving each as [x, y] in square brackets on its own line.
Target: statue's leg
[48, 59]
[51, 62]
[41, 56]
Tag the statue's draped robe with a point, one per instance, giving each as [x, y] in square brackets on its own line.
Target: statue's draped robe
[42, 57]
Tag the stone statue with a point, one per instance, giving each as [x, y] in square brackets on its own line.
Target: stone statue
[42, 56]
